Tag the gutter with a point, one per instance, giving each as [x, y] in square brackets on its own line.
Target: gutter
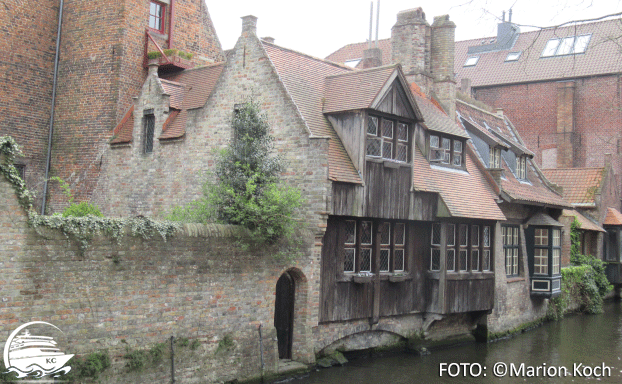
[51, 130]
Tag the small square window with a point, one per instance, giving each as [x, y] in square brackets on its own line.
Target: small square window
[156, 16]
[581, 43]
[513, 56]
[471, 61]
[566, 46]
[550, 48]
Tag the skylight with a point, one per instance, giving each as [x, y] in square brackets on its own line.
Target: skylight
[566, 46]
[352, 63]
[471, 61]
[513, 56]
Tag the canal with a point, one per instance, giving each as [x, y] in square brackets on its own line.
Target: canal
[584, 341]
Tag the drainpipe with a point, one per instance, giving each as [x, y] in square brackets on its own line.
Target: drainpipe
[51, 131]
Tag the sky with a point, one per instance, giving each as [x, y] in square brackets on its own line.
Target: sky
[320, 27]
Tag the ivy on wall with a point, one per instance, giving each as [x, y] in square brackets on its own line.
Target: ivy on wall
[8, 151]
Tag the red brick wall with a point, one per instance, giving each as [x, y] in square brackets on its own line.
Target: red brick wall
[101, 70]
[597, 117]
[27, 62]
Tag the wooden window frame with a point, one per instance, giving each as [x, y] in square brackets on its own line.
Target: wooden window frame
[467, 252]
[453, 155]
[394, 140]
[360, 247]
[521, 168]
[494, 160]
[539, 267]
[510, 235]
[161, 18]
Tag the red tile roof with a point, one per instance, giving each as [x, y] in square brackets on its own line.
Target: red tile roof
[356, 89]
[614, 217]
[434, 118]
[466, 194]
[304, 79]
[355, 51]
[586, 223]
[199, 82]
[535, 192]
[601, 57]
[122, 133]
[580, 184]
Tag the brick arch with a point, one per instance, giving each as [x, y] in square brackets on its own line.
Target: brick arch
[365, 339]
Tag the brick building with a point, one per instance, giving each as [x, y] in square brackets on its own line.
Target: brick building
[101, 66]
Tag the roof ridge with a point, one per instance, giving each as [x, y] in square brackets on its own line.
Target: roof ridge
[353, 44]
[338, 65]
[479, 109]
[362, 71]
[573, 168]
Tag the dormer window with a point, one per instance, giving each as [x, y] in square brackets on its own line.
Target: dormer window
[446, 151]
[494, 160]
[387, 139]
[521, 167]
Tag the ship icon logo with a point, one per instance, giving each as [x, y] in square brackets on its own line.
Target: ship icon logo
[35, 356]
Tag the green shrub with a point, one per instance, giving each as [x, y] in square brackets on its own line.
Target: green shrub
[88, 367]
[82, 209]
[170, 52]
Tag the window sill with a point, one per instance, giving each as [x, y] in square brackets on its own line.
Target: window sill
[387, 163]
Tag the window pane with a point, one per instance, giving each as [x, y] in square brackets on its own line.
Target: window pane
[515, 261]
[541, 236]
[557, 254]
[348, 263]
[475, 260]
[350, 229]
[402, 132]
[556, 238]
[148, 132]
[475, 235]
[365, 260]
[486, 260]
[551, 47]
[464, 233]
[512, 56]
[508, 260]
[387, 129]
[541, 261]
[486, 236]
[155, 16]
[434, 141]
[372, 125]
[435, 259]
[384, 260]
[447, 144]
[457, 146]
[451, 260]
[436, 234]
[515, 236]
[458, 159]
[385, 233]
[399, 260]
[366, 228]
[566, 46]
[464, 260]
[402, 152]
[471, 61]
[581, 43]
[373, 146]
[451, 235]
[387, 149]
[399, 233]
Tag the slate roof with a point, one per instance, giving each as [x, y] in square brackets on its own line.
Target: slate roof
[614, 217]
[188, 89]
[601, 57]
[304, 78]
[533, 191]
[580, 184]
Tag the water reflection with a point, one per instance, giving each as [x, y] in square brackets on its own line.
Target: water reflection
[587, 340]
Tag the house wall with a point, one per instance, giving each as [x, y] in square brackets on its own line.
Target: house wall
[513, 304]
[136, 293]
[596, 118]
[28, 44]
[100, 70]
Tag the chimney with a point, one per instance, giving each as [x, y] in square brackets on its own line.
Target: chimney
[268, 39]
[249, 24]
[410, 47]
[499, 112]
[372, 57]
[442, 55]
[607, 160]
[465, 85]
[153, 68]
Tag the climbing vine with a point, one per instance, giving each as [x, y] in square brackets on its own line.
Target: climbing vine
[8, 151]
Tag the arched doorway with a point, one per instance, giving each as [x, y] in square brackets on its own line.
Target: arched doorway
[284, 314]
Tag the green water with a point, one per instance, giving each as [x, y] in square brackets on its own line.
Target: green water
[590, 340]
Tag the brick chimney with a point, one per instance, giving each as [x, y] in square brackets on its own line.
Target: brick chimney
[442, 55]
[410, 46]
[372, 57]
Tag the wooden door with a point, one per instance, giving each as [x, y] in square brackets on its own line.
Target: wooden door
[284, 314]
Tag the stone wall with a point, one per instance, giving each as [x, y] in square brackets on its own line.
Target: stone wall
[137, 293]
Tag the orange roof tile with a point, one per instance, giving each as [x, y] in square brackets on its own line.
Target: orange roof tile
[580, 184]
[303, 77]
[585, 222]
[435, 119]
[355, 90]
[122, 133]
[614, 217]
[355, 51]
[199, 82]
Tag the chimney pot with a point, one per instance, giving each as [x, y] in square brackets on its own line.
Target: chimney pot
[499, 112]
[153, 68]
[249, 24]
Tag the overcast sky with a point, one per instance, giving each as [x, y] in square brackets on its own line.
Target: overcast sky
[320, 27]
